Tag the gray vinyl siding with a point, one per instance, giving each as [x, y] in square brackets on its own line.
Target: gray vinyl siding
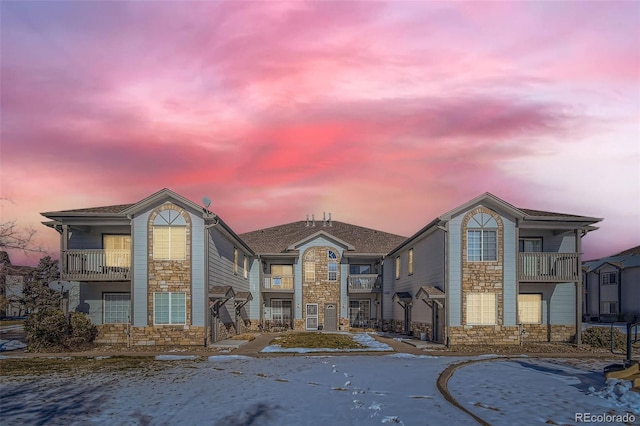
[388, 282]
[198, 293]
[510, 246]
[90, 296]
[630, 282]
[455, 271]
[140, 273]
[563, 304]
[344, 296]
[221, 262]
[563, 243]
[92, 239]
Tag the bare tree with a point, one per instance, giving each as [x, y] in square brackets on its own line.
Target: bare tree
[14, 237]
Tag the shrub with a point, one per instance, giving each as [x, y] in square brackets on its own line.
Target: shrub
[45, 329]
[81, 331]
[48, 329]
[600, 337]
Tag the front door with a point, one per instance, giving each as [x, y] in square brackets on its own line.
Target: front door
[330, 317]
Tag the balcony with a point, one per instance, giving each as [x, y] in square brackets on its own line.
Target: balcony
[96, 265]
[277, 283]
[548, 267]
[364, 283]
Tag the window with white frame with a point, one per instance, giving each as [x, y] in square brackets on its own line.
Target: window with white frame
[481, 309]
[169, 236]
[530, 308]
[410, 262]
[310, 265]
[397, 267]
[169, 308]
[332, 266]
[609, 278]
[608, 308]
[116, 308]
[482, 241]
[311, 319]
[235, 260]
[245, 267]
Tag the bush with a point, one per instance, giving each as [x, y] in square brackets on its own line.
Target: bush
[600, 337]
[47, 329]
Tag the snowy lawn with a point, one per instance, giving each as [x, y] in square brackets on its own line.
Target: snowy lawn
[308, 390]
[363, 343]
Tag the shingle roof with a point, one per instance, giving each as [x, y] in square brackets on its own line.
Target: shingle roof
[277, 238]
[629, 258]
[531, 212]
[103, 209]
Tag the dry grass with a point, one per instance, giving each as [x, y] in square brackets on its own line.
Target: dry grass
[244, 336]
[11, 322]
[317, 340]
[77, 365]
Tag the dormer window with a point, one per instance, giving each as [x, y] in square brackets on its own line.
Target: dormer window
[169, 236]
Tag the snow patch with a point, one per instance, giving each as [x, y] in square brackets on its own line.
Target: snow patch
[175, 357]
[11, 345]
[223, 358]
[405, 355]
[619, 392]
[371, 345]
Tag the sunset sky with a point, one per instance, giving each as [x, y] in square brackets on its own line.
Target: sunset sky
[385, 114]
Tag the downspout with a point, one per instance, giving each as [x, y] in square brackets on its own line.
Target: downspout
[445, 310]
[619, 273]
[381, 319]
[517, 245]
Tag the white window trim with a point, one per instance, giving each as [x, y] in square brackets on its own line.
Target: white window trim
[495, 321]
[482, 239]
[397, 267]
[104, 307]
[169, 257]
[410, 266]
[170, 296]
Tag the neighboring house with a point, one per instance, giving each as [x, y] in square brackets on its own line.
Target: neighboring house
[488, 272]
[160, 271]
[314, 275]
[612, 287]
[12, 286]
[168, 271]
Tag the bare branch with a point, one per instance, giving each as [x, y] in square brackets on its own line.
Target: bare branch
[13, 237]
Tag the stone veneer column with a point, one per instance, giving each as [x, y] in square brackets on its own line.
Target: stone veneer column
[322, 290]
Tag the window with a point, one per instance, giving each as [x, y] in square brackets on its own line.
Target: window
[608, 308]
[530, 245]
[117, 308]
[530, 308]
[410, 261]
[235, 260]
[482, 244]
[117, 250]
[245, 267]
[310, 265]
[359, 269]
[169, 308]
[397, 269]
[332, 266]
[481, 308]
[281, 312]
[609, 278]
[169, 236]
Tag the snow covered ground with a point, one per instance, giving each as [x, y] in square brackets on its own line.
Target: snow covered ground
[317, 390]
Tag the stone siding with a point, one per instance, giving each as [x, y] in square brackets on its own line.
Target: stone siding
[483, 335]
[321, 291]
[546, 333]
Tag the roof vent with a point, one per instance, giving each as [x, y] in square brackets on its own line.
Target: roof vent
[307, 220]
[330, 223]
[313, 220]
[324, 218]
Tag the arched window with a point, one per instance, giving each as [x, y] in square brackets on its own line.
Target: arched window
[169, 236]
[482, 243]
[332, 267]
[310, 265]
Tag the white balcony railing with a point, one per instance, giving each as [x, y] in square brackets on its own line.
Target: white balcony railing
[363, 283]
[548, 267]
[277, 283]
[96, 265]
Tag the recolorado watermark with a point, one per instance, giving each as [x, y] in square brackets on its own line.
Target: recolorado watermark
[604, 418]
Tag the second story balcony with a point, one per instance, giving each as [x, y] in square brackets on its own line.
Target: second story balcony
[548, 267]
[96, 265]
[364, 283]
[277, 283]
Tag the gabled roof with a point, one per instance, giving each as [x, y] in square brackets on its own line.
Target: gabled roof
[629, 258]
[489, 200]
[162, 195]
[278, 239]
